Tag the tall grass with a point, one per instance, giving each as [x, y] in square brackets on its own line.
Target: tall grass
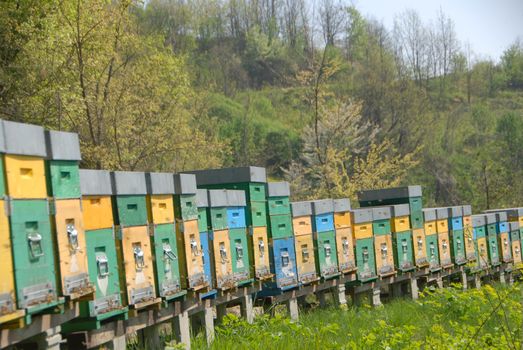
[489, 318]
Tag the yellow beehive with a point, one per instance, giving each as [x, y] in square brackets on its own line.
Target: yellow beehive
[97, 212]
[70, 237]
[442, 226]
[444, 249]
[160, 208]
[342, 220]
[189, 248]
[505, 247]
[138, 265]
[361, 231]
[468, 236]
[400, 224]
[260, 252]
[345, 248]
[7, 282]
[305, 259]
[302, 225]
[430, 227]
[516, 251]
[25, 177]
[224, 276]
[482, 252]
[420, 246]
[384, 254]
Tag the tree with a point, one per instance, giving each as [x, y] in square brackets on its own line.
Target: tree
[512, 62]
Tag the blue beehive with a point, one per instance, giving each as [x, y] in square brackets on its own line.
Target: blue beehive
[323, 215]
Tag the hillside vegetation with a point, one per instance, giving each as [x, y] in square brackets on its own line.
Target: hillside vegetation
[330, 100]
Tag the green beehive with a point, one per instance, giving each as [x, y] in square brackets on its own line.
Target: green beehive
[185, 207]
[240, 255]
[280, 226]
[326, 254]
[167, 271]
[403, 253]
[218, 209]
[256, 214]
[416, 219]
[104, 275]
[493, 250]
[278, 198]
[431, 242]
[130, 202]
[381, 221]
[457, 252]
[203, 222]
[366, 260]
[63, 175]
[33, 255]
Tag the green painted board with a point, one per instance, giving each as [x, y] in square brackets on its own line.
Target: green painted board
[365, 259]
[203, 223]
[33, 254]
[218, 218]
[278, 206]
[254, 191]
[493, 249]
[185, 208]
[381, 227]
[102, 264]
[431, 242]
[403, 251]
[416, 219]
[280, 226]
[240, 254]
[457, 243]
[256, 214]
[130, 210]
[166, 263]
[63, 179]
[492, 229]
[326, 253]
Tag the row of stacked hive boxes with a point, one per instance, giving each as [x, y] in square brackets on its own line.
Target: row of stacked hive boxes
[41, 213]
[238, 224]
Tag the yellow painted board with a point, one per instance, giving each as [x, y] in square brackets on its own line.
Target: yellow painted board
[345, 248]
[160, 208]
[401, 224]
[420, 245]
[302, 225]
[362, 231]
[384, 254]
[7, 282]
[305, 259]
[97, 212]
[25, 177]
[468, 236]
[342, 220]
[516, 251]
[430, 227]
[138, 271]
[260, 249]
[70, 238]
[222, 260]
[442, 226]
[444, 249]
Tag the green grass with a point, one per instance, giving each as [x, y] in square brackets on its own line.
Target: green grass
[490, 318]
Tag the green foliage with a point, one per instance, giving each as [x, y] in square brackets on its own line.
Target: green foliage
[488, 318]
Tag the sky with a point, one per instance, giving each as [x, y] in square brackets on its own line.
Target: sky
[489, 26]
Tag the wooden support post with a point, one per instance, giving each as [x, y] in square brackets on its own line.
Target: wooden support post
[182, 330]
[151, 337]
[247, 309]
[118, 343]
[413, 286]
[221, 312]
[502, 279]
[321, 299]
[439, 282]
[208, 316]
[464, 281]
[477, 281]
[339, 296]
[510, 278]
[292, 308]
[396, 290]
[50, 339]
[376, 297]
